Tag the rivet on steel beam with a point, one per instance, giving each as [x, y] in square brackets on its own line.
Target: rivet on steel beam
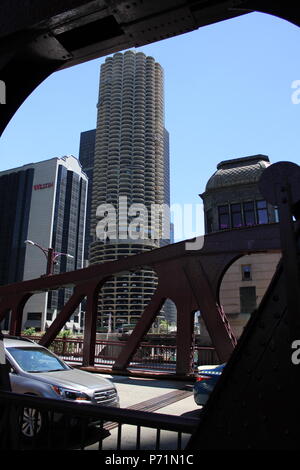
[272, 344]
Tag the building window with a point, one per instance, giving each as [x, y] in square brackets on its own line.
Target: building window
[246, 272]
[236, 215]
[247, 299]
[37, 316]
[262, 212]
[223, 217]
[49, 316]
[249, 213]
[209, 221]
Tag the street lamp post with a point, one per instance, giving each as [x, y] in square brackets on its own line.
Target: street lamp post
[50, 254]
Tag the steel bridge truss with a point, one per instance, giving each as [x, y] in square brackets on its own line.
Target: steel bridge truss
[256, 402]
[190, 278]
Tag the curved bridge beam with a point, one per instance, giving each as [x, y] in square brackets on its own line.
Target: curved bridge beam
[190, 278]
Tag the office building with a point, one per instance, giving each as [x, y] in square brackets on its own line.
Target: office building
[86, 159]
[44, 202]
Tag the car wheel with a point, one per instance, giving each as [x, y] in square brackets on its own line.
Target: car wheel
[32, 423]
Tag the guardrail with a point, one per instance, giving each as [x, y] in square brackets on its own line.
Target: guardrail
[67, 426]
[148, 356]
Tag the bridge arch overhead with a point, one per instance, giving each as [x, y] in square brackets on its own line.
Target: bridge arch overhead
[39, 38]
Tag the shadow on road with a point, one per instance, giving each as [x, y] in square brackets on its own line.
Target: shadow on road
[159, 383]
[192, 414]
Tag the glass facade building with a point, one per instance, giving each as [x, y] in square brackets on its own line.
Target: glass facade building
[68, 229]
[47, 206]
[86, 159]
[14, 209]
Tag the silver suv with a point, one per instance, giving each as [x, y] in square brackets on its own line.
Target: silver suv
[34, 370]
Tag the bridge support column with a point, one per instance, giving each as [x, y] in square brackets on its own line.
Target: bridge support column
[139, 331]
[219, 330]
[63, 317]
[185, 338]
[17, 315]
[89, 342]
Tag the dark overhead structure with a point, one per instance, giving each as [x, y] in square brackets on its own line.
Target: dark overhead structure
[38, 37]
[256, 402]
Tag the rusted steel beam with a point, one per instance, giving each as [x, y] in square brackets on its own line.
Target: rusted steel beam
[14, 304]
[184, 338]
[141, 328]
[190, 278]
[17, 314]
[238, 242]
[63, 317]
[255, 404]
[89, 341]
[280, 186]
[5, 306]
[210, 311]
[174, 284]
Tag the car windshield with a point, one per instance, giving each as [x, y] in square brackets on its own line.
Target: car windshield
[36, 359]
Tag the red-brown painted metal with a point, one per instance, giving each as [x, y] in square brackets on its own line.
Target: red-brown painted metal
[191, 279]
[255, 404]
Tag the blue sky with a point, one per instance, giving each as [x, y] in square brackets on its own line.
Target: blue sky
[228, 94]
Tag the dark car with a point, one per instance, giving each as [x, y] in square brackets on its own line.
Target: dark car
[206, 380]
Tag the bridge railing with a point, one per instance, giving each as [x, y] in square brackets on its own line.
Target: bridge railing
[66, 426]
[148, 356]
